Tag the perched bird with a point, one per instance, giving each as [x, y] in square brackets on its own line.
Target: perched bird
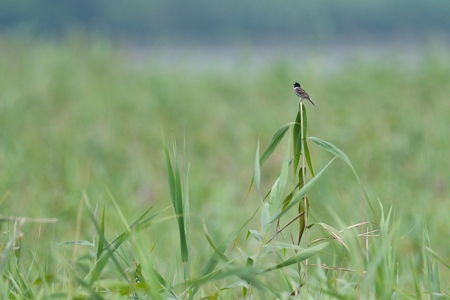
[301, 93]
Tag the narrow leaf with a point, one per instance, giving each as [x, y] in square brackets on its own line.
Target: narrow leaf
[176, 194]
[297, 141]
[288, 198]
[107, 252]
[435, 286]
[258, 236]
[277, 190]
[302, 192]
[102, 234]
[265, 218]
[340, 154]
[439, 258]
[218, 250]
[417, 287]
[305, 120]
[277, 193]
[119, 211]
[276, 139]
[301, 256]
[221, 248]
[278, 136]
[308, 158]
[80, 243]
[301, 220]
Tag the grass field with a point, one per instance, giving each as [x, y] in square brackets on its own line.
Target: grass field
[81, 126]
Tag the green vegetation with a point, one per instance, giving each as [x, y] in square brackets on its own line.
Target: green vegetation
[81, 141]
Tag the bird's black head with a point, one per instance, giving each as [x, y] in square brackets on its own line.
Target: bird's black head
[296, 84]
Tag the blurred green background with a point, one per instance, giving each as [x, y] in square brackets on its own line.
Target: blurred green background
[87, 87]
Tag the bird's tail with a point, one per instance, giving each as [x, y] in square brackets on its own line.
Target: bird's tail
[311, 101]
[301, 101]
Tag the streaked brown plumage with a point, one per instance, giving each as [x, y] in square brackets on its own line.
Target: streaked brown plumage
[301, 93]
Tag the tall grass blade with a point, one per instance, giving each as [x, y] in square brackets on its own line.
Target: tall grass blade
[288, 198]
[248, 274]
[431, 269]
[341, 155]
[308, 158]
[100, 245]
[302, 192]
[219, 250]
[301, 256]
[186, 210]
[277, 190]
[417, 287]
[301, 146]
[219, 253]
[176, 195]
[147, 277]
[297, 141]
[435, 285]
[119, 211]
[305, 143]
[437, 256]
[105, 252]
[276, 139]
[301, 220]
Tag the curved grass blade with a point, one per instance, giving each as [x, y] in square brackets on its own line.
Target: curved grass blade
[277, 190]
[105, 249]
[104, 254]
[335, 234]
[219, 253]
[276, 139]
[289, 197]
[308, 158]
[249, 274]
[340, 154]
[119, 211]
[439, 258]
[301, 256]
[302, 192]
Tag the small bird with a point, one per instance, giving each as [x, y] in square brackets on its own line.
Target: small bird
[301, 93]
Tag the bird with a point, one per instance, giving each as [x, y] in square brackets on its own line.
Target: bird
[301, 93]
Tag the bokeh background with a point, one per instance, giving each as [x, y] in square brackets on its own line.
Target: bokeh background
[88, 87]
[206, 22]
